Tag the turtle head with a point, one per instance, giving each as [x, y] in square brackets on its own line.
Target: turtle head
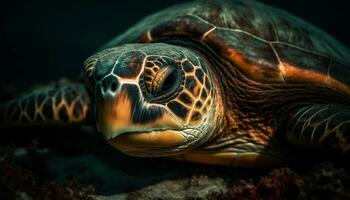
[151, 99]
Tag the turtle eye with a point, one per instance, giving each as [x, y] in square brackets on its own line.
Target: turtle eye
[169, 81]
[163, 84]
[165, 81]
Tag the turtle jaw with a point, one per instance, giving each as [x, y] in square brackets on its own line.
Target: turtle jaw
[128, 123]
[126, 136]
[139, 143]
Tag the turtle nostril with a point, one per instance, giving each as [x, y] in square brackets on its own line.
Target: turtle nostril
[109, 85]
[113, 86]
[104, 86]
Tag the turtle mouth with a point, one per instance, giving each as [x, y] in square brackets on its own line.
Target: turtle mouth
[132, 140]
[127, 131]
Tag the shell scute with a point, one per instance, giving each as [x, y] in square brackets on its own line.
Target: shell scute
[267, 44]
[253, 56]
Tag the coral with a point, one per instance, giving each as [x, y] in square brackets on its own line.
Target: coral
[327, 182]
[31, 172]
[323, 181]
[17, 183]
[279, 184]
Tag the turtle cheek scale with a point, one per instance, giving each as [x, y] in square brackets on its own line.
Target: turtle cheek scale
[193, 103]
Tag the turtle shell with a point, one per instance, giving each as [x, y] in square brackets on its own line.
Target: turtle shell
[266, 44]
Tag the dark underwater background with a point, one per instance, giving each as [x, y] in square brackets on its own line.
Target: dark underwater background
[43, 41]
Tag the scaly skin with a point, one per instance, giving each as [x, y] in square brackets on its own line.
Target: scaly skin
[325, 127]
[54, 105]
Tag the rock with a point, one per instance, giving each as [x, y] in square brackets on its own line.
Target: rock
[69, 163]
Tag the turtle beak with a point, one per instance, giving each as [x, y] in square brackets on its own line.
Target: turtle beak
[113, 114]
[107, 104]
[121, 110]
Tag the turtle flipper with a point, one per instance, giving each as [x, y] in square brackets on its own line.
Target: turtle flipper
[66, 104]
[324, 127]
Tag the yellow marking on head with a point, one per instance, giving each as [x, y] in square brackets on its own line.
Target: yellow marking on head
[166, 121]
[114, 114]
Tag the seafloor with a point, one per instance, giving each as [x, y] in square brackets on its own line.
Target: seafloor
[75, 163]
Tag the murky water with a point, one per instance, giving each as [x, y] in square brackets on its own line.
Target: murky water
[44, 41]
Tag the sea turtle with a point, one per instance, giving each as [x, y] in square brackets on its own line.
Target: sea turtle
[235, 83]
